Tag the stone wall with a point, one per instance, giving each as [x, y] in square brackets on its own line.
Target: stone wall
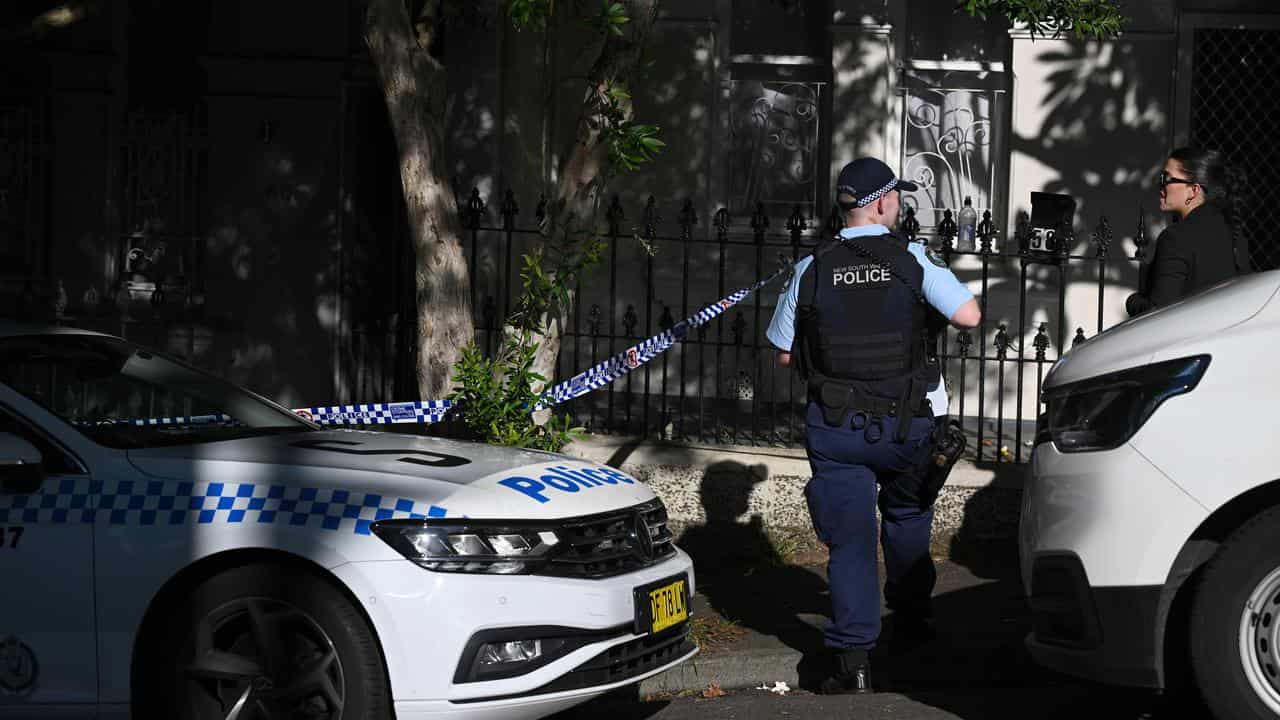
[722, 487]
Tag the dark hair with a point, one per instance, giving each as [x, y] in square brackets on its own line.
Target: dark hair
[1224, 187]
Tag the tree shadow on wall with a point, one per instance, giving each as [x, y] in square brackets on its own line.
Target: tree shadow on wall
[272, 273]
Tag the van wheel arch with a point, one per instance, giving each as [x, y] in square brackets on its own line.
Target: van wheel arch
[1180, 586]
[178, 586]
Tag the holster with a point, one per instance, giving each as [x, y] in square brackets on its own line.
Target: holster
[912, 394]
[948, 444]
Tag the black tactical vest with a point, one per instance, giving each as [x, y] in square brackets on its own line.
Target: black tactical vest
[862, 341]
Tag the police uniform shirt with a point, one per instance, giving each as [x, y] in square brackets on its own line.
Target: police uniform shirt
[941, 290]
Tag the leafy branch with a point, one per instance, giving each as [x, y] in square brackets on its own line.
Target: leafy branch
[631, 144]
[529, 14]
[544, 289]
[496, 397]
[1092, 19]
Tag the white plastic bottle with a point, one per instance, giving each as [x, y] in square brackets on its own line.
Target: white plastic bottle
[966, 240]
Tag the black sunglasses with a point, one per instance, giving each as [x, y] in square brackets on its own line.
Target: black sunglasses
[1167, 179]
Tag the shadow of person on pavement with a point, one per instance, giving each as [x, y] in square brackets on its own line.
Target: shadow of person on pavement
[743, 575]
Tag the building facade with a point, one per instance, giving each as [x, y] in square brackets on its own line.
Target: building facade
[219, 178]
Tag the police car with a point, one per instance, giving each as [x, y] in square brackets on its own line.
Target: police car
[1150, 531]
[175, 546]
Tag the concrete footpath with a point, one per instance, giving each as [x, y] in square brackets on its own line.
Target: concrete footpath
[762, 596]
[764, 627]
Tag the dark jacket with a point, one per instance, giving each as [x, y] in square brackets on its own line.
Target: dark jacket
[1190, 256]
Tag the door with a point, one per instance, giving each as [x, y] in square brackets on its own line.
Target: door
[48, 651]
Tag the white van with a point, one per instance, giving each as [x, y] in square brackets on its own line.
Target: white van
[1150, 531]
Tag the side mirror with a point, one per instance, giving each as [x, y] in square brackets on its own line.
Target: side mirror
[21, 465]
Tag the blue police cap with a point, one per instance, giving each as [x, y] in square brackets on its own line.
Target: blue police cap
[868, 179]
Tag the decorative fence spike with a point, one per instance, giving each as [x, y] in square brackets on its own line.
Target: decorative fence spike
[615, 216]
[947, 232]
[721, 221]
[1140, 236]
[475, 209]
[910, 225]
[540, 212]
[1102, 238]
[489, 312]
[1041, 342]
[1002, 342]
[796, 224]
[510, 209]
[593, 323]
[688, 218]
[666, 321]
[759, 223]
[986, 232]
[629, 321]
[651, 218]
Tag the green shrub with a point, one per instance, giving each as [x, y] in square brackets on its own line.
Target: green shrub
[495, 397]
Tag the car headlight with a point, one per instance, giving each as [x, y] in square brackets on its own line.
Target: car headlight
[1102, 413]
[469, 547]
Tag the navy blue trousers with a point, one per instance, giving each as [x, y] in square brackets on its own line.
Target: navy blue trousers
[855, 468]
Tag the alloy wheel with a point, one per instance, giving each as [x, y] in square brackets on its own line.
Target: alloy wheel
[262, 659]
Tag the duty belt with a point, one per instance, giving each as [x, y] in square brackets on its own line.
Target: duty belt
[837, 398]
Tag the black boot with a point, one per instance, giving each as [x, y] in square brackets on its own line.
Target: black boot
[850, 674]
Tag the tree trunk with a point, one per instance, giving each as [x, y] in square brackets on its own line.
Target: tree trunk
[579, 192]
[413, 83]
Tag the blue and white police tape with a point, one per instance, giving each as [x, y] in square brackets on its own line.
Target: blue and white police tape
[598, 376]
[422, 412]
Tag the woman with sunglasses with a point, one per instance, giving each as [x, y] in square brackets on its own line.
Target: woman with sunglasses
[1206, 243]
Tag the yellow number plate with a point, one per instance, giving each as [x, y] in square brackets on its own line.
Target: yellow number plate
[667, 606]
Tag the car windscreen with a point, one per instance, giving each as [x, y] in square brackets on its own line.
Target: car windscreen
[123, 397]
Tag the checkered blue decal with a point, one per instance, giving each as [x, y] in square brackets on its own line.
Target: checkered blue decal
[155, 502]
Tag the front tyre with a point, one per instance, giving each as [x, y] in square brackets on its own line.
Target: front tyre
[1235, 624]
[265, 642]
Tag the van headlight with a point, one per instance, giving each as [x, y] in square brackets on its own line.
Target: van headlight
[1102, 413]
[469, 547]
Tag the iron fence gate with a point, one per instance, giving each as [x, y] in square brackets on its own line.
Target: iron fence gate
[721, 384]
[1235, 74]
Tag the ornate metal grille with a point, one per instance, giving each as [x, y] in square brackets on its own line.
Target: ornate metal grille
[1235, 78]
[949, 130]
[21, 172]
[161, 169]
[774, 139]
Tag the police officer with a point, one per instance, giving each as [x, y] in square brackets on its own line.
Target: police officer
[853, 320]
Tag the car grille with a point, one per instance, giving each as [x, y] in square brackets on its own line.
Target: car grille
[612, 543]
[617, 664]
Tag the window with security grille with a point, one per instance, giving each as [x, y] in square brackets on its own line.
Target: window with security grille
[1234, 81]
[778, 106]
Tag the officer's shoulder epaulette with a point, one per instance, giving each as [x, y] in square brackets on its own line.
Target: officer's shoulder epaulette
[935, 257]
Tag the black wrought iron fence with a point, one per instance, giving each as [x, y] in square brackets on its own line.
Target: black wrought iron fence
[721, 384]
